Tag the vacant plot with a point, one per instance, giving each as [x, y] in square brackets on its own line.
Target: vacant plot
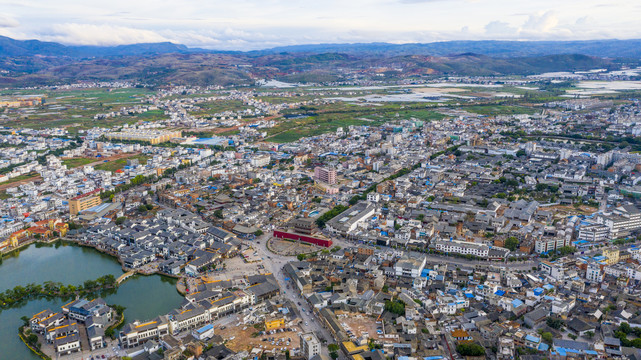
[290, 248]
[21, 178]
[75, 162]
[314, 126]
[358, 325]
[120, 163]
[245, 338]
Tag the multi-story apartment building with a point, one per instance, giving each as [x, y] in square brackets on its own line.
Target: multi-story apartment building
[84, 201]
[325, 175]
[550, 244]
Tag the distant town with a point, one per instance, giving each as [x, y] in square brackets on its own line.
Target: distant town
[448, 218]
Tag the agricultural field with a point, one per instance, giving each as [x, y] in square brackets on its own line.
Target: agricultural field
[210, 108]
[75, 109]
[425, 115]
[492, 109]
[151, 115]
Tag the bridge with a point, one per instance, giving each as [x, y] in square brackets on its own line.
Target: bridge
[125, 276]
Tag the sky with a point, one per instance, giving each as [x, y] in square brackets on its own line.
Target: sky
[260, 24]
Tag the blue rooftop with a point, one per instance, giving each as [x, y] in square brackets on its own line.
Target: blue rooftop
[532, 338]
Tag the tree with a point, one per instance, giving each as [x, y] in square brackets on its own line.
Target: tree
[120, 220]
[470, 349]
[566, 250]
[511, 243]
[547, 337]
[333, 350]
[219, 213]
[625, 328]
[589, 334]
[395, 307]
[258, 232]
[554, 323]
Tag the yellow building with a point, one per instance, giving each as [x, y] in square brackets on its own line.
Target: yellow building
[276, 323]
[612, 256]
[352, 349]
[151, 136]
[84, 202]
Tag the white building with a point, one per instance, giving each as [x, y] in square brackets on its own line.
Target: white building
[462, 247]
[309, 345]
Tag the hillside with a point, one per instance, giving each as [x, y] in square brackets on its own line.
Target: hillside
[224, 69]
[36, 62]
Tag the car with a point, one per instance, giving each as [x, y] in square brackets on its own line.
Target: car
[306, 323]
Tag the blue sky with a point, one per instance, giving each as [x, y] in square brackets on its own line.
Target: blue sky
[257, 24]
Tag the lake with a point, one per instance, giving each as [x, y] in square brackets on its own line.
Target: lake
[143, 296]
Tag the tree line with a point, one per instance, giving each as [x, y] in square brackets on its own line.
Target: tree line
[55, 289]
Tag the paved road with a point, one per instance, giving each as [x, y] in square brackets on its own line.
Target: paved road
[275, 263]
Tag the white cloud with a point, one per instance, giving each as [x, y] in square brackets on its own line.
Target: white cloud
[541, 23]
[255, 24]
[7, 21]
[88, 34]
[501, 29]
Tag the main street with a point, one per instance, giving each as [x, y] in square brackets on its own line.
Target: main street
[274, 263]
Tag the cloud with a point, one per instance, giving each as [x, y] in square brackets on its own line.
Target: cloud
[104, 35]
[541, 22]
[7, 21]
[500, 28]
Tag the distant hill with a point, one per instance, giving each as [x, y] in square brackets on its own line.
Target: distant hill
[34, 62]
[239, 69]
[630, 49]
[14, 48]
[602, 48]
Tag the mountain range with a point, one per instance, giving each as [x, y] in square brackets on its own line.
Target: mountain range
[33, 62]
[630, 49]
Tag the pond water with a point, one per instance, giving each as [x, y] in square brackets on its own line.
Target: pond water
[143, 296]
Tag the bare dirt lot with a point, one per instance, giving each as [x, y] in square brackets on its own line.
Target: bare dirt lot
[244, 337]
[290, 248]
[359, 324]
